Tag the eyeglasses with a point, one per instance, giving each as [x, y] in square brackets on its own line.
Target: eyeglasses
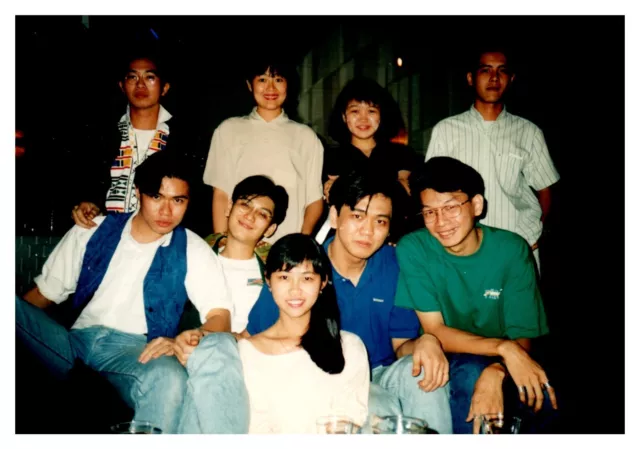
[148, 78]
[245, 208]
[451, 211]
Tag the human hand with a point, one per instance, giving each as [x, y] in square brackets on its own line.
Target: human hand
[327, 186]
[528, 376]
[186, 343]
[157, 347]
[84, 213]
[487, 396]
[428, 354]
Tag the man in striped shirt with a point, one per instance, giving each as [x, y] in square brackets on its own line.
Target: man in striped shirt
[508, 151]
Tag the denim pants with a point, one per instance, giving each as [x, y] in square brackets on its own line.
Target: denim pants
[154, 390]
[464, 370]
[216, 398]
[394, 391]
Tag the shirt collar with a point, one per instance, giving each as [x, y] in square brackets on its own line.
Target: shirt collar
[162, 241]
[163, 116]
[279, 119]
[476, 114]
[369, 268]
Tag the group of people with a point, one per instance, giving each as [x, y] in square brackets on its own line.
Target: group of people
[436, 324]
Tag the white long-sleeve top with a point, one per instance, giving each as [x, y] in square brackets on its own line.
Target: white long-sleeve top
[289, 392]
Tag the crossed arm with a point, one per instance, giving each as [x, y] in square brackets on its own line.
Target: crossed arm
[526, 373]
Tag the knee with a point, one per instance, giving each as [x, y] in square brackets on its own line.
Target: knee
[465, 370]
[166, 376]
[215, 352]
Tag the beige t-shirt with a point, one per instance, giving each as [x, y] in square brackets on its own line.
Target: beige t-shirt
[289, 392]
[287, 152]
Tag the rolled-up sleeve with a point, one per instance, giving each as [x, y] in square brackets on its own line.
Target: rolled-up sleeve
[205, 281]
[60, 273]
[218, 171]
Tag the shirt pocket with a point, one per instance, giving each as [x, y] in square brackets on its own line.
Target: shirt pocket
[510, 169]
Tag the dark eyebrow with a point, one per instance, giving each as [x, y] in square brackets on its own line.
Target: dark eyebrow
[183, 197]
[264, 209]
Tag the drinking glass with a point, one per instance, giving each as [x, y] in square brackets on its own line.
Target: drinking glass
[136, 427]
[336, 425]
[498, 423]
[398, 424]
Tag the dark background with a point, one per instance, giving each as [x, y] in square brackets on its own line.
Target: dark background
[570, 82]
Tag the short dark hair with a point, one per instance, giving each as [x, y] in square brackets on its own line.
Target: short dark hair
[322, 339]
[476, 52]
[163, 164]
[348, 190]
[369, 91]
[276, 64]
[259, 185]
[146, 52]
[445, 175]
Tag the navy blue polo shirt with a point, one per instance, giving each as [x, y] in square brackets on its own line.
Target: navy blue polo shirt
[367, 310]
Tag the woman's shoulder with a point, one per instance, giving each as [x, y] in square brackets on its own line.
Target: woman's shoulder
[351, 341]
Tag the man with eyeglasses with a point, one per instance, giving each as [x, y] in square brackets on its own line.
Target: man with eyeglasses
[474, 287]
[111, 154]
[508, 151]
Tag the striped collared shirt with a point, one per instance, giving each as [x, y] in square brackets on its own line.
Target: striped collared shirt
[512, 157]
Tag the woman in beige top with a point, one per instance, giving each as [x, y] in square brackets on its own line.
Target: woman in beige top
[303, 367]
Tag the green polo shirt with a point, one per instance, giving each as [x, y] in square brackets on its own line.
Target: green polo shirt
[492, 293]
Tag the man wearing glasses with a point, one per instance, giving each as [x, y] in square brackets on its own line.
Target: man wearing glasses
[508, 151]
[474, 287]
[110, 156]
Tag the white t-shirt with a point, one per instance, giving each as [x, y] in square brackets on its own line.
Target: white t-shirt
[245, 282]
[289, 392]
[287, 152]
[143, 139]
[118, 302]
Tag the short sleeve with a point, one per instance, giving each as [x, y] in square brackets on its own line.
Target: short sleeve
[416, 289]
[264, 313]
[524, 314]
[437, 145]
[403, 323]
[205, 281]
[219, 170]
[314, 172]
[61, 271]
[539, 170]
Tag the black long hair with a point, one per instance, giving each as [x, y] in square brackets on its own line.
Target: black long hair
[322, 338]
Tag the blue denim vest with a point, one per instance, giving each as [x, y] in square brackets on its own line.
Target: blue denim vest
[164, 292]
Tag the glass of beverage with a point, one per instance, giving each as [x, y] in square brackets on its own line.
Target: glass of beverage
[398, 424]
[136, 427]
[499, 423]
[336, 425]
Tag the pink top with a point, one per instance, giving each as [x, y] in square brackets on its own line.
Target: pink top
[288, 392]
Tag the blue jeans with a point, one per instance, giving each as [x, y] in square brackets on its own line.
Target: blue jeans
[216, 399]
[154, 390]
[394, 391]
[464, 371]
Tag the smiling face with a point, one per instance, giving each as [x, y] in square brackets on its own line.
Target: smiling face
[296, 291]
[457, 234]
[362, 119]
[363, 230]
[142, 86]
[492, 77]
[160, 213]
[250, 219]
[269, 92]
